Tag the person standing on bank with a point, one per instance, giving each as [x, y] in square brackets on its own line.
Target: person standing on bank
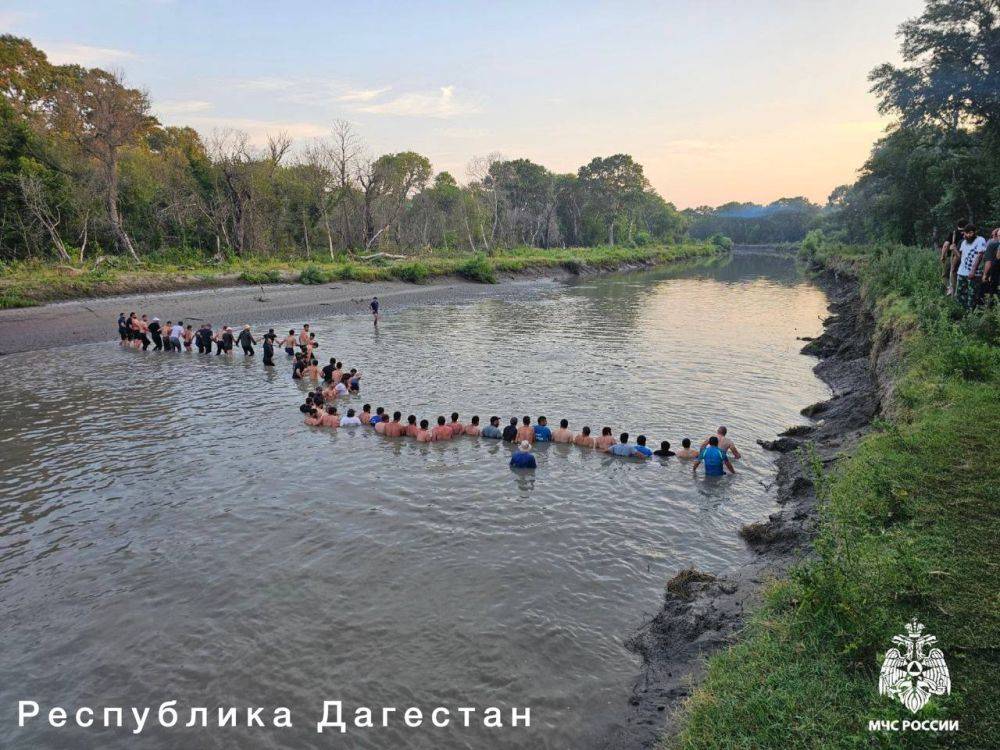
[970, 252]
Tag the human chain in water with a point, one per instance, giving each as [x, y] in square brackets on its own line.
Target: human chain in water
[716, 452]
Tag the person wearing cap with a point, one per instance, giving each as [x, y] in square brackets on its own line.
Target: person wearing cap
[522, 457]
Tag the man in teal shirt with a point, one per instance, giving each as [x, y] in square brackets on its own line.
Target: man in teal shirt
[714, 459]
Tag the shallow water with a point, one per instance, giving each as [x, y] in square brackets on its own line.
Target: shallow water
[169, 530]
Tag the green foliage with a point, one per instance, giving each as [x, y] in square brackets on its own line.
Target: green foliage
[264, 276]
[479, 269]
[414, 272]
[721, 241]
[312, 274]
[784, 220]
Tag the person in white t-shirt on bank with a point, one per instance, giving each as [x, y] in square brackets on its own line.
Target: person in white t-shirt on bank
[970, 267]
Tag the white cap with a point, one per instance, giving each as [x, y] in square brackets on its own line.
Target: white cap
[525, 445]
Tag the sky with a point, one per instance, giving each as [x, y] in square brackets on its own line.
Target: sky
[719, 100]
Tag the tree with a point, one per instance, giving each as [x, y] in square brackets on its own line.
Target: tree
[103, 116]
[612, 184]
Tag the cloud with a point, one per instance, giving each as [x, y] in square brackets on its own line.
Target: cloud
[9, 19]
[442, 104]
[361, 95]
[259, 130]
[181, 107]
[63, 53]
[267, 83]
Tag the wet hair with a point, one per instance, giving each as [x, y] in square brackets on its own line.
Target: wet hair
[586, 430]
[309, 399]
[423, 424]
[345, 377]
[494, 419]
[513, 420]
[542, 420]
[189, 326]
[475, 420]
[305, 325]
[713, 440]
[641, 440]
[331, 410]
[686, 442]
[722, 430]
[366, 407]
[180, 322]
[313, 412]
[564, 423]
[396, 416]
[312, 335]
[340, 365]
[412, 419]
[454, 416]
[526, 420]
[291, 331]
[441, 420]
[623, 437]
[380, 410]
[333, 361]
[354, 370]
[350, 412]
[605, 430]
[664, 445]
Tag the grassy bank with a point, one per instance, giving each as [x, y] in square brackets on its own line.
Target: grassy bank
[908, 528]
[30, 283]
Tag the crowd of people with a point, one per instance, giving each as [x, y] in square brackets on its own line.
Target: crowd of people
[971, 265]
[321, 410]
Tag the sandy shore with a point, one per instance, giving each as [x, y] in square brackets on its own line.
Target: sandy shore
[93, 320]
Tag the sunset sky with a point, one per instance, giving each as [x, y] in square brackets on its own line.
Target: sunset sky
[719, 100]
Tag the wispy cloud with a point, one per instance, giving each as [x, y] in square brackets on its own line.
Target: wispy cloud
[181, 107]
[362, 95]
[259, 130]
[63, 53]
[441, 104]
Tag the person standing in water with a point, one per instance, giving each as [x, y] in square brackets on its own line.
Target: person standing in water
[122, 329]
[374, 306]
[509, 433]
[246, 340]
[725, 444]
[584, 439]
[492, 430]
[176, 336]
[289, 342]
[155, 332]
[562, 434]
[714, 459]
[269, 339]
[686, 451]
[522, 457]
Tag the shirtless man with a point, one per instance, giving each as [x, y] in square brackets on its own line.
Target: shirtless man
[525, 432]
[314, 420]
[366, 415]
[412, 428]
[423, 434]
[331, 418]
[442, 431]
[472, 430]
[395, 428]
[606, 440]
[337, 373]
[686, 451]
[142, 328]
[584, 439]
[380, 426]
[289, 342]
[562, 434]
[457, 428]
[304, 337]
[725, 444]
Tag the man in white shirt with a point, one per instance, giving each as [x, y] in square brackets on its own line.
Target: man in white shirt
[176, 336]
[970, 267]
[350, 420]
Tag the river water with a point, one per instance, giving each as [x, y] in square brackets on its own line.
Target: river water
[169, 530]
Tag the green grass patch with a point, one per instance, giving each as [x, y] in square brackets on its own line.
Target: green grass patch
[908, 528]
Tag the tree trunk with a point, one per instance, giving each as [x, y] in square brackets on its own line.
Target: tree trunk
[122, 239]
[305, 233]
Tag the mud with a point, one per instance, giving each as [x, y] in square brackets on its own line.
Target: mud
[701, 612]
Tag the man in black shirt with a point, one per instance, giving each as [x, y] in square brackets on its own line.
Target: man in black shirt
[510, 431]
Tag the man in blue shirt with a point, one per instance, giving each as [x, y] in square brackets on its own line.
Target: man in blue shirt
[542, 432]
[492, 430]
[522, 458]
[622, 448]
[640, 447]
[713, 458]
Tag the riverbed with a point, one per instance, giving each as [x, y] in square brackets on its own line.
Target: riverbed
[169, 530]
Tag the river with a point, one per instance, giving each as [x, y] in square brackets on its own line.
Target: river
[169, 530]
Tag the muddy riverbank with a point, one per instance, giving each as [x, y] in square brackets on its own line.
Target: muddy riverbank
[702, 612]
[93, 319]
